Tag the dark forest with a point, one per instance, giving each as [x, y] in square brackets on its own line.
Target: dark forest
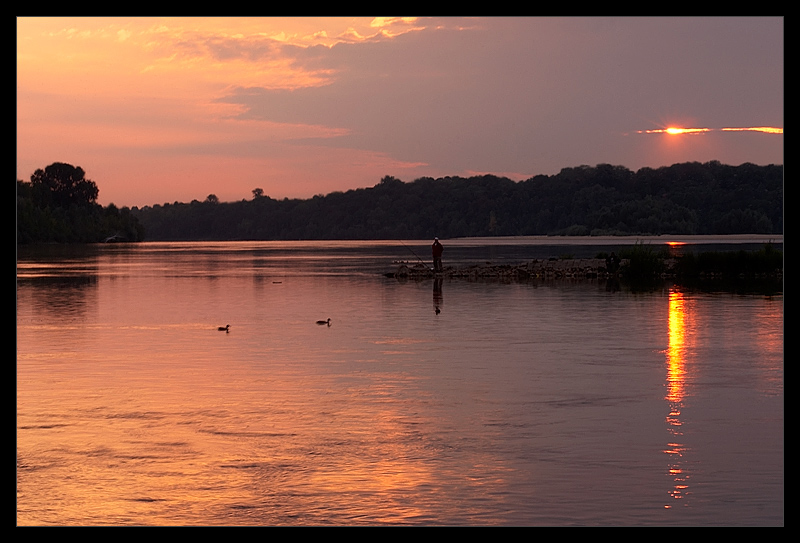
[687, 198]
[59, 205]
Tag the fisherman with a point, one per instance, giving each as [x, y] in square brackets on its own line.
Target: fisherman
[437, 250]
[612, 263]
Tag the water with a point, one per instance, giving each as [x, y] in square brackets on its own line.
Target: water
[533, 403]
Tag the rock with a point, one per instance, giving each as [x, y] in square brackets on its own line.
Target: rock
[590, 268]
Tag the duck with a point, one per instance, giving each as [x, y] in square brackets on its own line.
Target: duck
[225, 328]
[328, 322]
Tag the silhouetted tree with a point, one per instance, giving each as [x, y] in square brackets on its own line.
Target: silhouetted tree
[60, 205]
[63, 185]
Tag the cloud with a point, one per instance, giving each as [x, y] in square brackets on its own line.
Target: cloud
[428, 96]
[500, 93]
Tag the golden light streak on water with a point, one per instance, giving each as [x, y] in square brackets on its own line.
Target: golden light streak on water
[676, 372]
[676, 390]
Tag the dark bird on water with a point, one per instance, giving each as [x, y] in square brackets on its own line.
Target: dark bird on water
[225, 328]
[328, 322]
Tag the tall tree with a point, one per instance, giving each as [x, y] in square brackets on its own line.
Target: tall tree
[60, 205]
[63, 185]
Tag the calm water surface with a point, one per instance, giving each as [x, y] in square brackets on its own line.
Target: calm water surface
[532, 403]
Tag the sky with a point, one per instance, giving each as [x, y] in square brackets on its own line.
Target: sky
[161, 110]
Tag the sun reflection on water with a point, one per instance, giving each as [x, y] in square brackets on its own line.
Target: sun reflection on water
[676, 390]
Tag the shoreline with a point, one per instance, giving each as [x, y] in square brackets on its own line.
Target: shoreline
[629, 269]
[666, 239]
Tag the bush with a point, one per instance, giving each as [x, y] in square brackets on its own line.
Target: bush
[767, 260]
[643, 262]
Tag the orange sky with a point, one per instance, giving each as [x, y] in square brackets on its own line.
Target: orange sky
[172, 109]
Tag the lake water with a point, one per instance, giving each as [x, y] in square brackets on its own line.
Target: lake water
[519, 403]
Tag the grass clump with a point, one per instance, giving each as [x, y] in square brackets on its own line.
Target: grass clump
[643, 262]
[742, 264]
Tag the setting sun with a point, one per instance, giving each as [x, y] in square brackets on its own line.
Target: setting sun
[674, 130]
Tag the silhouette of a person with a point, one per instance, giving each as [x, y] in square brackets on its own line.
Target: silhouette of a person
[612, 263]
[437, 251]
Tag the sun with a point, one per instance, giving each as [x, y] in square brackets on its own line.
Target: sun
[675, 130]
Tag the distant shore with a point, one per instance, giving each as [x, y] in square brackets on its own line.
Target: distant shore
[619, 240]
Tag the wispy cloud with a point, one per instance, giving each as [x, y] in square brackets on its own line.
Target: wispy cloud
[384, 95]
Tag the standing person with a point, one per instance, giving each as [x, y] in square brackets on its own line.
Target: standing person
[437, 250]
[612, 263]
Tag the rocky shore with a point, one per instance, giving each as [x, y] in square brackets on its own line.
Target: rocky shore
[582, 268]
[578, 268]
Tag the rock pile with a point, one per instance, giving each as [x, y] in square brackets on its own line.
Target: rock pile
[578, 268]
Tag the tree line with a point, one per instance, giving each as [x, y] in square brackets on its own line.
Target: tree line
[59, 205]
[686, 198]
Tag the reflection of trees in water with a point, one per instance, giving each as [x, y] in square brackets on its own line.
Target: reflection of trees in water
[61, 280]
[60, 298]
